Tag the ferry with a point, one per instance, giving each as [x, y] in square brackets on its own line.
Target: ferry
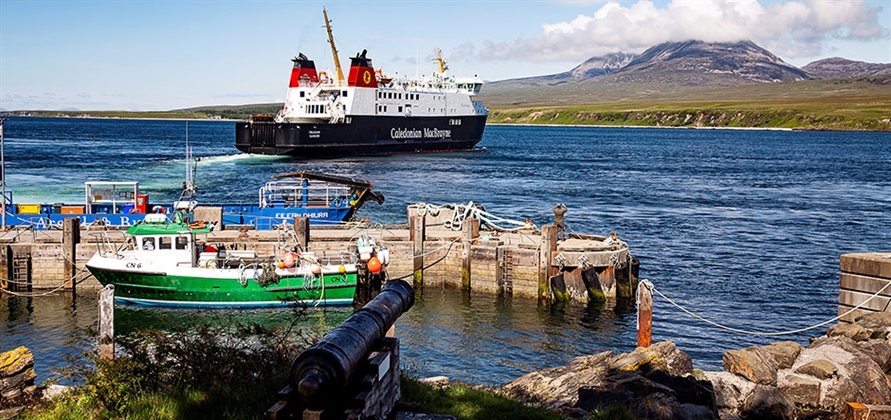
[367, 112]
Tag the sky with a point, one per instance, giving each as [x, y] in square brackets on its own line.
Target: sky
[165, 55]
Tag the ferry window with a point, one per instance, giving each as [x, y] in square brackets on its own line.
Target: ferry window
[148, 244]
[302, 94]
[400, 109]
[182, 242]
[164, 243]
[343, 93]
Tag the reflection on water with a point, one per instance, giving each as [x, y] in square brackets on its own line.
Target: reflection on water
[489, 339]
[476, 338]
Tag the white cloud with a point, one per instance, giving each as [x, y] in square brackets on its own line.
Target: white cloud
[791, 28]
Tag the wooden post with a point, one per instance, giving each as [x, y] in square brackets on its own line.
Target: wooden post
[70, 239]
[106, 323]
[545, 266]
[301, 227]
[417, 230]
[644, 316]
[859, 411]
[471, 233]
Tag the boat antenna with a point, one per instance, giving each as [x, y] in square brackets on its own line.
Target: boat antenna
[189, 188]
[337, 67]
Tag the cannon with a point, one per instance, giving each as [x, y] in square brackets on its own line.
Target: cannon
[322, 373]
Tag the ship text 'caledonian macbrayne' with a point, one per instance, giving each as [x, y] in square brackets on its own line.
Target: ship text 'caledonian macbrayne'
[368, 113]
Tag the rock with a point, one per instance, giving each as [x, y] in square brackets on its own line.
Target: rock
[880, 351]
[753, 363]
[784, 352]
[859, 378]
[642, 358]
[730, 390]
[435, 381]
[686, 389]
[420, 416]
[863, 381]
[874, 320]
[8, 413]
[678, 362]
[820, 369]
[853, 331]
[767, 403]
[801, 391]
[663, 356]
[559, 386]
[54, 391]
[16, 377]
[590, 398]
[15, 361]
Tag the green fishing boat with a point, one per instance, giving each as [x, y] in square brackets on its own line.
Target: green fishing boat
[169, 263]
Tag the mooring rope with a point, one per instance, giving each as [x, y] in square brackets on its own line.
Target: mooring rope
[759, 333]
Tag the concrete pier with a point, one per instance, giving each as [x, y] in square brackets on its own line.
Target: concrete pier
[862, 276]
[429, 251]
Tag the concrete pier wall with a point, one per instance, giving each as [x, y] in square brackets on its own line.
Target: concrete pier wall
[489, 261]
[862, 275]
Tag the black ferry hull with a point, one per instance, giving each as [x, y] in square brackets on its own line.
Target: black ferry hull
[371, 135]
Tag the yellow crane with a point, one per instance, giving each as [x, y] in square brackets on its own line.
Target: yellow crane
[333, 49]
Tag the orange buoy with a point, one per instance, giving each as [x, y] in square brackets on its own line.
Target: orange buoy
[342, 269]
[374, 265]
[316, 269]
[281, 264]
[288, 259]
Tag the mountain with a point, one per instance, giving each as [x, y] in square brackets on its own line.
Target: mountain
[665, 69]
[840, 68]
[695, 63]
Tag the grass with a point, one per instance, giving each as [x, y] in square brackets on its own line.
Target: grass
[467, 402]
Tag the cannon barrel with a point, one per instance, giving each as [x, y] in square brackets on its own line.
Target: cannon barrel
[321, 373]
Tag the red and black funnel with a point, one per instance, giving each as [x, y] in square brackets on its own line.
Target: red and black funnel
[361, 72]
[304, 71]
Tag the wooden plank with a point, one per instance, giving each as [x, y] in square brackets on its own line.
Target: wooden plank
[875, 264]
[852, 299]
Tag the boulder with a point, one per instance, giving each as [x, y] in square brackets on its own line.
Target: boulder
[853, 331]
[767, 403]
[559, 386]
[752, 363]
[820, 369]
[663, 356]
[784, 352]
[730, 391]
[803, 392]
[17, 378]
[880, 352]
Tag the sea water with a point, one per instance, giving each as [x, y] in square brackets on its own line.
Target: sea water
[741, 227]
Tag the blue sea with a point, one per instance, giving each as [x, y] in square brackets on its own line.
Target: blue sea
[741, 227]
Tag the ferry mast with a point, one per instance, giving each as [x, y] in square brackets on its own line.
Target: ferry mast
[333, 49]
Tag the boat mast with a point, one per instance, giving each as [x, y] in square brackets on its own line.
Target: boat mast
[443, 66]
[333, 49]
[3, 172]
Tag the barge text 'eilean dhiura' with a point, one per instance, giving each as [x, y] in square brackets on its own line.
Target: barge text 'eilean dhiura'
[368, 113]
